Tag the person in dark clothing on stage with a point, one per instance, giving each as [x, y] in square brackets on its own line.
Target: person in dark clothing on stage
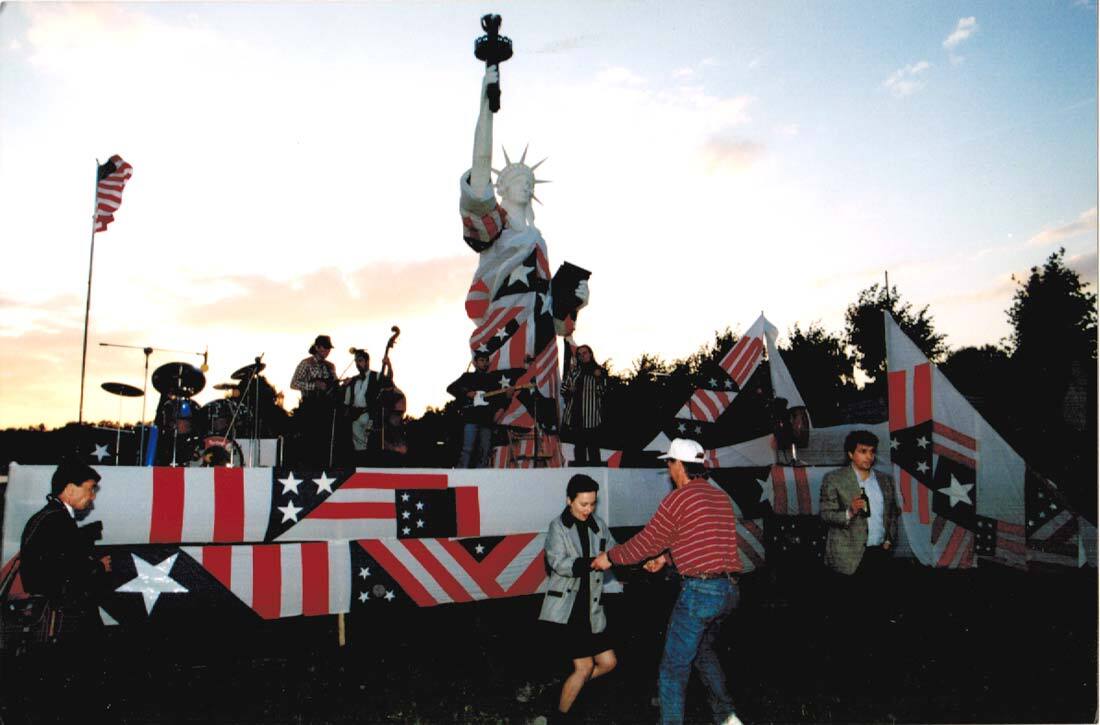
[315, 417]
[477, 413]
[583, 390]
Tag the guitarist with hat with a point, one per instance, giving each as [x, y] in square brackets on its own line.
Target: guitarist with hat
[477, 413]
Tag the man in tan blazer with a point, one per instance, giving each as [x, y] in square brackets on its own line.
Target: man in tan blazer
[859, 509]
[860, 512]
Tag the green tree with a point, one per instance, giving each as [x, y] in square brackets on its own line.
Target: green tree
[865, 334]
[1053, 316]
[822, 369]
[1053, 347]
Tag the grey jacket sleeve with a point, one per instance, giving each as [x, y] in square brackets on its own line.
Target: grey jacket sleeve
[558, 556]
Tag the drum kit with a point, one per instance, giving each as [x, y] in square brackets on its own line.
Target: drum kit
[189, 434]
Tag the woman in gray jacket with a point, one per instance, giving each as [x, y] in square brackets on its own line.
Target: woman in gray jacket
[572, 602]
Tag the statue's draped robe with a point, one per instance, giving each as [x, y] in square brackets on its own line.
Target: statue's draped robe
[509, 303]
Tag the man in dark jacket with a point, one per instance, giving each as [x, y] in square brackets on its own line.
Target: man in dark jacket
[477, 412]
[57, 561]
[56, 558]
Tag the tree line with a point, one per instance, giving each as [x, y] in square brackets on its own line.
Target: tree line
[1037, 387]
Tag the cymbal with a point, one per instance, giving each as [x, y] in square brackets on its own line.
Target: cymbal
[248, 370]
[179, 379]
[123, 389]
[225, 386]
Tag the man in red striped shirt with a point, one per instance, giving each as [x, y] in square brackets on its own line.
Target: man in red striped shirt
[696, 525]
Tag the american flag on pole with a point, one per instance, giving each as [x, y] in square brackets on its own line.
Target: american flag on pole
[110, 181]
[960, 485]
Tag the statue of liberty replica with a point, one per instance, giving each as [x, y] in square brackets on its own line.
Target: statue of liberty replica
[510, 300]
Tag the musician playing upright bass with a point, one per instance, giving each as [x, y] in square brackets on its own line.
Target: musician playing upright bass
[477, 420]
[361, 397]
[315, 377]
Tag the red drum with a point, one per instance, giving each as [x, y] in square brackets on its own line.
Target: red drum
[217, 451]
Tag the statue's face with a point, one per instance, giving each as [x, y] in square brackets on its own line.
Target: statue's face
[519, 189]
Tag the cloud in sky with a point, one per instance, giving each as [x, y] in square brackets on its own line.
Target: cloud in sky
[1085, 265]
[383, 291]
[907, 81]
[1084, 224]
[732, 153]
[963, 30]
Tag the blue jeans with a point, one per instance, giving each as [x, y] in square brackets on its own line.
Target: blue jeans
[475, 446]
[692, 631]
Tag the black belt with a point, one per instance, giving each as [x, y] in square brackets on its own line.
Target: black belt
[731, 575]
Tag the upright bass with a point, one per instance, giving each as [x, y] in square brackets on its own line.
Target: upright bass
[392, 402]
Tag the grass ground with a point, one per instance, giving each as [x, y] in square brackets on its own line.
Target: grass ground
[983, 646]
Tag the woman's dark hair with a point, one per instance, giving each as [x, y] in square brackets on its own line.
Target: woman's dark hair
[72, 472]
[580, 483]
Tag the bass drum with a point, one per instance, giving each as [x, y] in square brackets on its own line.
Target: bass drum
[219, 415]
[214, 451]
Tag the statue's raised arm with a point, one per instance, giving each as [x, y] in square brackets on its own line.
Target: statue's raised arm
[480, 178]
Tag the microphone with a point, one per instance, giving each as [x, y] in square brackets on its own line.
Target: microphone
[204, 367]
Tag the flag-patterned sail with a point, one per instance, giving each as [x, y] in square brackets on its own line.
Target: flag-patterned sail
[960, 485]
[729, 405]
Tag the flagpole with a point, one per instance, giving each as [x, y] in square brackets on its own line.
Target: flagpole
[88, 299]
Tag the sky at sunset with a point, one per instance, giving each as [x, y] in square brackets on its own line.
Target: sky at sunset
[296, 171]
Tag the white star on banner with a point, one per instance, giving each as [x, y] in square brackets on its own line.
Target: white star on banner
[713, 383]
[767, 492]
[505, 381]
[483, 348]
[958, 492]
[420, 523]
[324, 483]
[152, 581]
[406, 531]
[682, 427]
[479, 549]
[419, 505]
[501, 333]
[404, 497]
[729, 385]
[894, 443]
[405, 514]
[101, 452]
[545, 301]
[290, 512]
[519, 274]
[364, 572]
[364, 596]
[922, 467]
[389, 596]
[922, 442]
[290, 483]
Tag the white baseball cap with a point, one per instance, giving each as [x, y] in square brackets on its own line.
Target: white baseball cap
[684, 449]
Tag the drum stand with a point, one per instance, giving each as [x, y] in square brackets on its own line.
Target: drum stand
[254, 439]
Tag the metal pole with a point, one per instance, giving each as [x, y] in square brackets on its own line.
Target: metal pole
[88, 300]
